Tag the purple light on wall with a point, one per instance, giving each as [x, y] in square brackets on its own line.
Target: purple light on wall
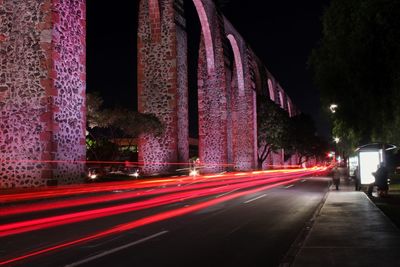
[208, 41]
[271, 90]
[238, 63]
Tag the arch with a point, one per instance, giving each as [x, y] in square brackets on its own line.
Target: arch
[271, 90]
[155, 20]
[289, 108]
[281, 100]
[208, 41]
[238, 63]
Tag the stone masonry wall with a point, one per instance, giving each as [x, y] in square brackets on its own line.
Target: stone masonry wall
[157, 82]
[42, 91]
[223, 99]
[182, 80]
[69, 82]
[212, 96]
[242, 103]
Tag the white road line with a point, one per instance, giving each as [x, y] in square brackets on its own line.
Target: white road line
[253, 199]
[108, 252]
[227, 193]
[289, 186]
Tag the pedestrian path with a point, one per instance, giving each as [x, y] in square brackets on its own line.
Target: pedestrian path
[350, 231]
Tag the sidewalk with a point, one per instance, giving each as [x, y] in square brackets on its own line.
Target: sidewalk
[350, 231]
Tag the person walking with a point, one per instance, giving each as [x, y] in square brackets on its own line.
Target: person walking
[336, 177]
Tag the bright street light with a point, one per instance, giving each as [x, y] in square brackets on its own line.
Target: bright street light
[336, 139]
[333, 108]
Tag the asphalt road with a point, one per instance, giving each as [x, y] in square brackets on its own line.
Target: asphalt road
[254, 229]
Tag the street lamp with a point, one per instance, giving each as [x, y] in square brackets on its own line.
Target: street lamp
[333, 108]
[336, 139]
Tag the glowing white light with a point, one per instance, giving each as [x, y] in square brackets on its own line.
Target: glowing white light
[135, 174]
[333, 108]
[93, 176]
[353, 163]
[336, 139]
[193, 173]
[369, 161]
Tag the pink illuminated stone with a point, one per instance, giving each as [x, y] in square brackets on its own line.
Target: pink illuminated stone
[271, 90]
[282, 103]
[289, 108]
[155, 20]
[205, 27]
[238, 63]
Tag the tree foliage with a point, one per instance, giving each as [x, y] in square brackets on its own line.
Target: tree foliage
[357, 66]
[105, 126]
[273, 128]
[303, 139]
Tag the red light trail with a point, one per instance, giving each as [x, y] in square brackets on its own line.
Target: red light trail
[97, 188]
[36, 224]
[202, 183]
[232, 185]
[145, 221]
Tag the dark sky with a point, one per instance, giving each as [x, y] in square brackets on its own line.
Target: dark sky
[282, 33]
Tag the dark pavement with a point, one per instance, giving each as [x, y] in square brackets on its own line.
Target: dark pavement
[350, 231]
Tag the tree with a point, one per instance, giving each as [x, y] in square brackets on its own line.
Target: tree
[357, 67]
[105, 126]
[273, 128]
[303, 139]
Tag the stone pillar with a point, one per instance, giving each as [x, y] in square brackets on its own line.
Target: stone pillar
[158, 83]
[42, 92]
[182, 83]
[242, 92]
[212, 93]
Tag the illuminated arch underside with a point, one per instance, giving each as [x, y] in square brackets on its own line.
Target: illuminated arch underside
[271, 90]
[238, 63]
[205, 27]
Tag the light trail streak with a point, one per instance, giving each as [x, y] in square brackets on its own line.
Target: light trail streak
[30, 208]
[132, 163]
[47, 222]
[145, 221]
[87, 189]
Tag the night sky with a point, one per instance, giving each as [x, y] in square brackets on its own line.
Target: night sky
[282, 33]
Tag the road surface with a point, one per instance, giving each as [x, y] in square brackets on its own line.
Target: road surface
[238, 220]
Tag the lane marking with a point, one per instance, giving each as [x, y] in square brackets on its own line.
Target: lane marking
[253, 199]
[108, 252]
[227, 193]
[289, 186]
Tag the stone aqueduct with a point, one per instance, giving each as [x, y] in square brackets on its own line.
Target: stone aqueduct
[43, 82]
